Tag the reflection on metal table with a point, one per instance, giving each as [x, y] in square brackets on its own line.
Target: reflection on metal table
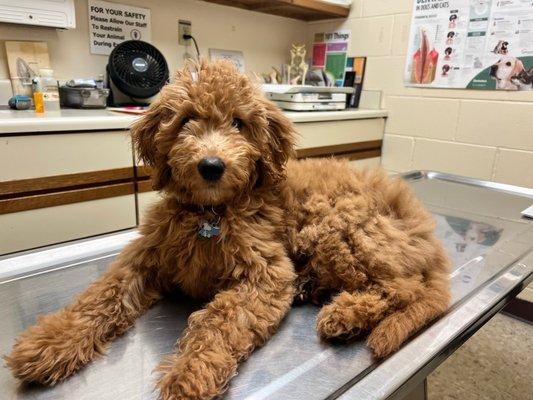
[479, 223]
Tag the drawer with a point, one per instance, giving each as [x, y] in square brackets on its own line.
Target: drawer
[44, 226]
[330, 133]
[32, 156]
[144, 201]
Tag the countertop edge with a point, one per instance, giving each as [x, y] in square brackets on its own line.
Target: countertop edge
[118, 121]
[325, 116]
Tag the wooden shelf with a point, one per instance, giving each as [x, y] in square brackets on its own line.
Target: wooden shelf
[306, 10]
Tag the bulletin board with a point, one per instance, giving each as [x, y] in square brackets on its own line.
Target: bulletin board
[471, 44]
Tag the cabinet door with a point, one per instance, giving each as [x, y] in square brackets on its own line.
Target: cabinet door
[144, 201]
[331, 133]
[42, 155]
[64, 186]
[44, 226]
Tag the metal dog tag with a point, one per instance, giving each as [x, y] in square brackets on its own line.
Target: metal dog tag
[208, 230]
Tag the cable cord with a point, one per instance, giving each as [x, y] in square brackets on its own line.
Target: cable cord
[187, 37]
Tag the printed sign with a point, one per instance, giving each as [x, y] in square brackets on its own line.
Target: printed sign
[329, 53]
[236, 57]
[472, 44]
[112, 23]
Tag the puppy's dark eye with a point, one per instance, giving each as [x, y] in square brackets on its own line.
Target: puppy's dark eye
[184, 121]
[237, 123]
[508, 63]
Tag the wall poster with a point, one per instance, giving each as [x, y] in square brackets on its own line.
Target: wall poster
[113, 23]
[329, 53]
[472, 44]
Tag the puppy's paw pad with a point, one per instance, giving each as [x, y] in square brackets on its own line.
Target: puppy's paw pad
[192, 378]
[382, 344]
[334, 322]
[32, 363]
[48, 356]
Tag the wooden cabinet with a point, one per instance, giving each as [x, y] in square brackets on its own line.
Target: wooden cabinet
[44, 226]
[62, 186]
[56, 187]
[53, 154]
[356, 139]
[306, 10]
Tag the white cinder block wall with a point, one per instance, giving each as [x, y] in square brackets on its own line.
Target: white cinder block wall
[482, 134]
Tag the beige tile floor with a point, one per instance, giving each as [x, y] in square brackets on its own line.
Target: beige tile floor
[496, 363]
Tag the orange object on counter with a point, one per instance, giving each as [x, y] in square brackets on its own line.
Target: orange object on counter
[38, 100]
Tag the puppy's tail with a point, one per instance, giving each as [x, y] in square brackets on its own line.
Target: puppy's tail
[394, 329]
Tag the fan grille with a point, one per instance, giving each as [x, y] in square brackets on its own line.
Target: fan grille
[138, 69]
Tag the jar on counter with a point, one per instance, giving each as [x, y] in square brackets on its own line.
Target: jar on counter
[49, 88]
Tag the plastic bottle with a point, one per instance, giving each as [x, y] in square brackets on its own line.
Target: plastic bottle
[49, 89]
[38, 99]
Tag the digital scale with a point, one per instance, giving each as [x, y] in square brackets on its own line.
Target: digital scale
[308, 98]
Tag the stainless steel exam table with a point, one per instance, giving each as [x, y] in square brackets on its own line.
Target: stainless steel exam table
[479, 222]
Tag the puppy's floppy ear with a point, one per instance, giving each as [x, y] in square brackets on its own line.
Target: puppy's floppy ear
[143, 134]
[281, 142]
[518, 67]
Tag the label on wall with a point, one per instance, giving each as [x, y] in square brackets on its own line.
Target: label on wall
[112, 23]
[472, 44]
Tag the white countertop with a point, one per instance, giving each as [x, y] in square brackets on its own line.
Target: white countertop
[12, 121]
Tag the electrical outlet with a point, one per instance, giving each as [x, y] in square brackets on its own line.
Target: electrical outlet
[184, 28]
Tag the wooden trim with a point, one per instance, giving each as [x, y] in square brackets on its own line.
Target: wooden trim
[339, 149]
[306, 10]
[368, 149]
[26, 187]
[143, 171]
[361, 155]
[144, 186]
[351, 151]
[319, 6]
[66, 197]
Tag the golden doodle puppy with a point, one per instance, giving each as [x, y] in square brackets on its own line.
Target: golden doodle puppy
[247, 229]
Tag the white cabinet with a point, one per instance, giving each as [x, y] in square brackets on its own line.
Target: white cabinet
[63, 186]
[60, 186]
[53, 13]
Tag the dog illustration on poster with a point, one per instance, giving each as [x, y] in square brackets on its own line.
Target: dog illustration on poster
[509, 71]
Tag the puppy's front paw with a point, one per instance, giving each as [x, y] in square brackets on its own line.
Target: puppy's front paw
[195, 376]
[47, 354]
[385, 339]
[337, 322]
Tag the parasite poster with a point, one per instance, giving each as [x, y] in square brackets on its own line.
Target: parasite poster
[471, 44]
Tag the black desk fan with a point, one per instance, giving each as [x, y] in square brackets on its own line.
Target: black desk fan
[136, 72]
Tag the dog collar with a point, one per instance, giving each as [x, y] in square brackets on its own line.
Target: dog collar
[202, 209]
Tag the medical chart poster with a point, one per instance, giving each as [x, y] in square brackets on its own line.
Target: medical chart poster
[471, 44]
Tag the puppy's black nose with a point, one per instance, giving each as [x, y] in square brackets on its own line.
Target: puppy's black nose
[211, 168]
[493, 70]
